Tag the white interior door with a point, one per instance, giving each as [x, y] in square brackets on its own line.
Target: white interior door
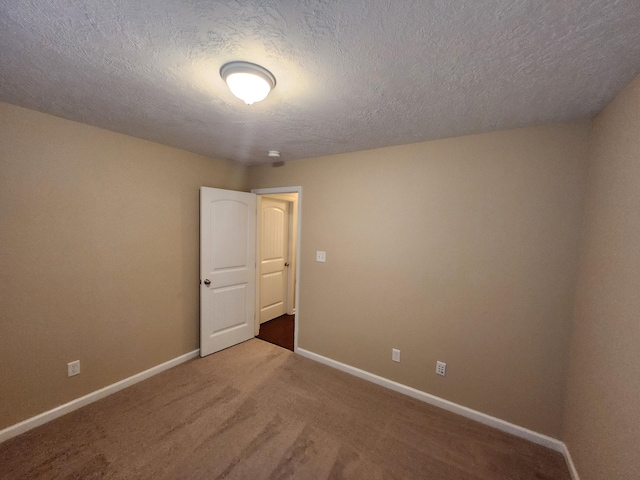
[274, 257]
[227, 268]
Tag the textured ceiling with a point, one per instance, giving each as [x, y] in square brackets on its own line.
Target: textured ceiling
[351, 75]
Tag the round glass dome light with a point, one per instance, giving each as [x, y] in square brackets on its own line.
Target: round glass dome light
[249, 82]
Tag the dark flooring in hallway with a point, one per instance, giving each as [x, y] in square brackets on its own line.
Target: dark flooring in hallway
[278, 331]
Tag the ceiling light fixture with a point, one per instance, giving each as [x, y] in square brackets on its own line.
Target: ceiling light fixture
[249, 82]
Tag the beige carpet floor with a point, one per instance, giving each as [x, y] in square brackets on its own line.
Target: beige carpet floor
[258, 411]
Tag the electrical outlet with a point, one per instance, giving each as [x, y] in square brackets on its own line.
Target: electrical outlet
[441, 368]
[395, 355]
[321, 256]
[73, 368]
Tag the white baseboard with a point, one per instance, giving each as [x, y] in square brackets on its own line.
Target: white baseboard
[28, 424]
[483, 418]
[570, 464]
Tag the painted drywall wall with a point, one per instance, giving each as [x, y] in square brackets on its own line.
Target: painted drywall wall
[462, 250]
[602, 424]
[99, 253]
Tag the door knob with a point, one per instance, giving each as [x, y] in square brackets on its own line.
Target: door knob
[207, 282]
[286, 264]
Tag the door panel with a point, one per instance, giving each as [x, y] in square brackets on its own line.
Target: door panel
[229, 234]
[270, 285]
[274, 253]
[227, 268]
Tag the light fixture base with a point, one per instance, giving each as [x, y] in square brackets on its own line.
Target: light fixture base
[248, 81]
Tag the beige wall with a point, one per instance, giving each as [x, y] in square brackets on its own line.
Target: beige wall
[602, 425]
[98, 256]
[462, 250]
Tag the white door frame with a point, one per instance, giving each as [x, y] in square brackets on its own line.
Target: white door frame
[298, 190]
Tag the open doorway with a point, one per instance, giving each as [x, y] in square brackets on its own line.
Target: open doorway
[277, 265]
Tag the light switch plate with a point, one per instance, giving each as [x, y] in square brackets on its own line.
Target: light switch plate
[321, 256]
[395, 355]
